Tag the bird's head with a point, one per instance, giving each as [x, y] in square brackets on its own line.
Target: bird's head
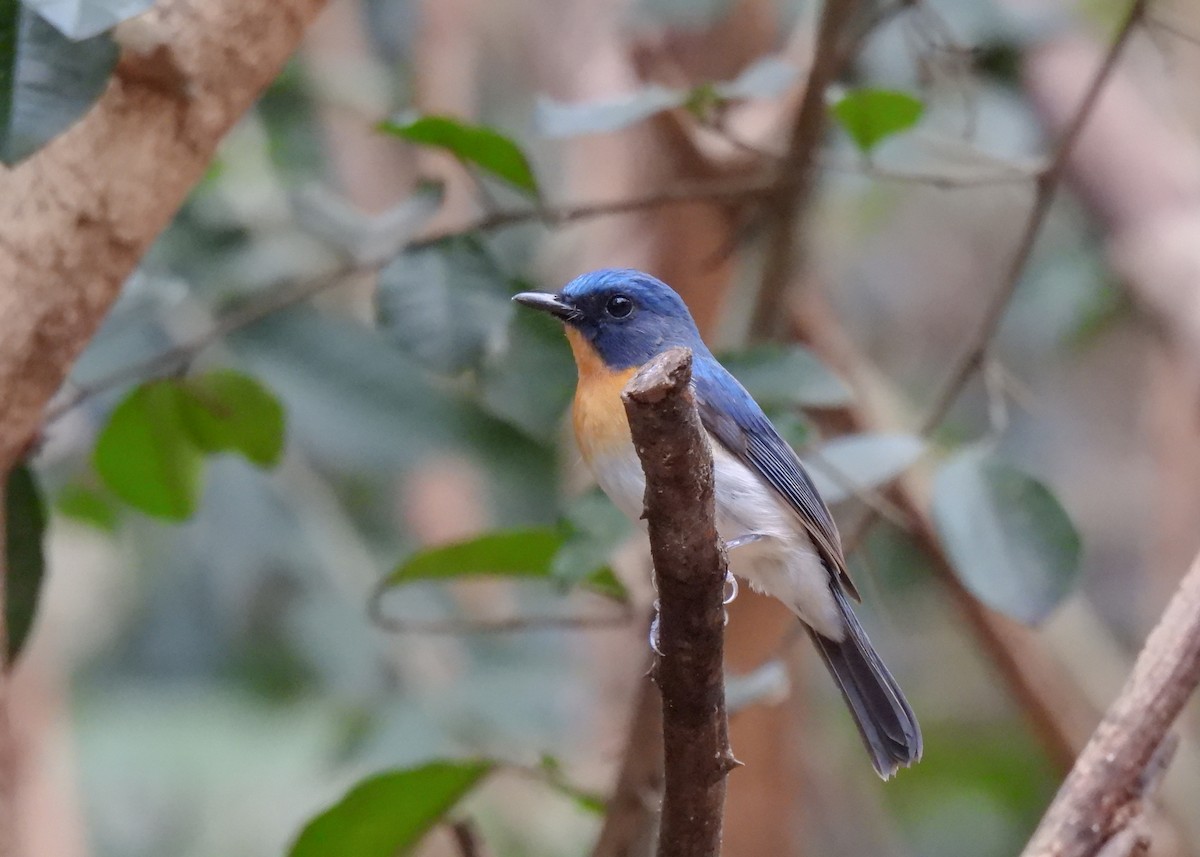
[620, 317]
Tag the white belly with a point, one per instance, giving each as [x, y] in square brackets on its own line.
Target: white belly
[784, 564]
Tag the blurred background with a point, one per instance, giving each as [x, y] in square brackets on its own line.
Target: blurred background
[206, 686]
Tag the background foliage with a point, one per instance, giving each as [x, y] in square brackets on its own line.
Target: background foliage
[313, 422]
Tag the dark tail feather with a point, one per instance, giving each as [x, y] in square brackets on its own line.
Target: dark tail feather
[885, 721]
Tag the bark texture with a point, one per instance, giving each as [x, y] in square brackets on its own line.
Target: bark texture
[689, 569]
[76, 217]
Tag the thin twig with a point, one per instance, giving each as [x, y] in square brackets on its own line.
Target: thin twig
[787, 204]
[506, 625]
[1104, 793]
[467, 838]
[1047, 185]
[689, 570]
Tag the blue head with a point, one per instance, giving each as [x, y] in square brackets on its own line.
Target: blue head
[626, 316]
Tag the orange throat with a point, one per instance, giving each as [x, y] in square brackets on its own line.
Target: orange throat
[601, 428]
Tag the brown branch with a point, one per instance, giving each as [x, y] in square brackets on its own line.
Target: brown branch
[78, 215]
[632, 811]
[797, 169]
[1103, 795]
[689, 570]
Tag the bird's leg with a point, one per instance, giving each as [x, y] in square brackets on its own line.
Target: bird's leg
[731, 587]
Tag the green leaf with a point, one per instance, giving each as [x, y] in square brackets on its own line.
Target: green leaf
[785, 377]
[510, 553]
[860, 461]
[87, 505]
[1011, 542]
[870, 116]
[484, 147]
[527, 553]
[82, 19]
[388, 814]
[444, 303]
[25, 526]
[46, 81]
[226, 411]
[145, 454]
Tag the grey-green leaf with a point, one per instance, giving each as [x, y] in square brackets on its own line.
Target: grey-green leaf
[783, 377]
[870, 116]
[559, 119]
[444, 304]
[47, 81]
[387, 815]
[83, 19]
[484, 147]
[1011, 541]
[25, 527]
[861, 461]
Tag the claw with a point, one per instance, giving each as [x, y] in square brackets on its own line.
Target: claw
[731, 588]
[654, 631]
[741, 541]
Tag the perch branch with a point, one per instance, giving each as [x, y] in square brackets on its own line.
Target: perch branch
[689, 570]
[1103, 795]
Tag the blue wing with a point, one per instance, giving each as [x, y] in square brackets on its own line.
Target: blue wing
[732, 416]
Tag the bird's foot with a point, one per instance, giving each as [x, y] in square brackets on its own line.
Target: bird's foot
[654, 630]
[743, 540]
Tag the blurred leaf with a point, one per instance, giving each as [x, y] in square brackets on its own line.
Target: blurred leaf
[145, 454]
[444, 303]
[484, 147]
[530, 380]
[47, 82]
[767, 77]
[369, 239]
[25, 527]
[860, 461]
[590, 802]
[785, 377]
[528, 553]
[557, 119]
[82, 19]
[388, 814]
[595, 528]
[512, 553]
[88, 505]
[1011, 541]
[226, 411]
[870, 116]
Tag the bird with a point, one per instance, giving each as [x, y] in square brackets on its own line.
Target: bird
[788, 547]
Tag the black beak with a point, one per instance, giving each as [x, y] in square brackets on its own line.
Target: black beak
[546, 302]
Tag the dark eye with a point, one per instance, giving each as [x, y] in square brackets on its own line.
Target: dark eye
[619, 306]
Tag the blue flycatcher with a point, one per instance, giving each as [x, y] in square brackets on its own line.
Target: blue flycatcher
[787, 543]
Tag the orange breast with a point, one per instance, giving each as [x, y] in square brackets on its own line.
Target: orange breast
[601, 427]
